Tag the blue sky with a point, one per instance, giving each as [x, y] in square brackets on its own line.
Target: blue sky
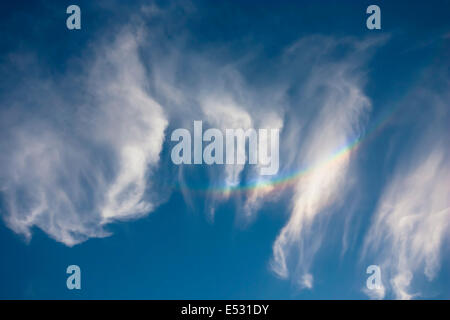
[86, 176]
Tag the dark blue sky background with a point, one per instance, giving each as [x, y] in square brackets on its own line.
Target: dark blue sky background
[178, 252]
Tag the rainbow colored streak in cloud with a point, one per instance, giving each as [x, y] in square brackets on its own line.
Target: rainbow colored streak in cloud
[282, 181]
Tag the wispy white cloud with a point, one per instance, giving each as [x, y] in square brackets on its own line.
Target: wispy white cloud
[78, 158]
[375, 293]
[337, 108]
[412, 219]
